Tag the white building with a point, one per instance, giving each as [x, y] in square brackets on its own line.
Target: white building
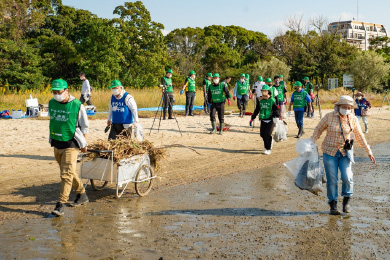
[358, 33]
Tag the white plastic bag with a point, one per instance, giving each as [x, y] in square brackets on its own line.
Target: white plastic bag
[307, 168]
[280, 131]
[139, 132]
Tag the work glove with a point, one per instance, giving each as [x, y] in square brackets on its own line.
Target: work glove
[250, 96]
[234, 98]
[250, 122]
[229, 103]
[181, 92]
[107, 128]
[276, 120]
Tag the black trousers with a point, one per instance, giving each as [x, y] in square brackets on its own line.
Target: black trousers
[242, 102]
[217, 108]
[206, 104]
[117, 129]
[266, 133]
[82, 100]
[190, 98]
[168, 101]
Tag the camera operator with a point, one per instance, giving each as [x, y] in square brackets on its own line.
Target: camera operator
[341, 128]
[168, 98]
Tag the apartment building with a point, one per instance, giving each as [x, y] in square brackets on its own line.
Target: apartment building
[358, 33]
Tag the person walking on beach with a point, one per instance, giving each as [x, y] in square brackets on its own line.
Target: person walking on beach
[361, 111]
[122, 111]
[68, 132]
[299, 98]
[168, 97]
[189, 86]
[217, 94]
[241, 91]
[342, 128]
[206, 84]
[268, 114]
[281, 92]
[85, 90]
[308, 86]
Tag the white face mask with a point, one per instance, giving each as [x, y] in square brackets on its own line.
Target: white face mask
[242, 80]
[344, 112]
[59, 97]
[81, 78]
[116, 91]
[216, 81]
[359, 98]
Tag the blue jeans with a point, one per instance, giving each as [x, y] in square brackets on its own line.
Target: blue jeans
[299, 118]
[332, 164]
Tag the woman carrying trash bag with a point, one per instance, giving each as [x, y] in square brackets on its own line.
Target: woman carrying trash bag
[342, 128]
[269, 114]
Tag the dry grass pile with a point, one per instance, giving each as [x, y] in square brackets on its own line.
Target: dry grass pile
[125, 147]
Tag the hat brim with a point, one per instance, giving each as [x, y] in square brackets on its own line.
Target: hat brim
[57, 88]
[345, 102]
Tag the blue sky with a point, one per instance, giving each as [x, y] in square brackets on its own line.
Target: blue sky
[264, 16]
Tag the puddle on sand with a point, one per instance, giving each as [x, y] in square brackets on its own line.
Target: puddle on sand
[232, 217]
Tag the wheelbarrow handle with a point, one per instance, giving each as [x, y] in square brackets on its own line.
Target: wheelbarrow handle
[99, 151]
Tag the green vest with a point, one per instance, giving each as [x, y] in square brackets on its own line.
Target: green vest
[208, 83]
[168, 83]
[190, 85]
[272, 92]
[242, 88]
[63, 119]
[280, 90]
[266, 108]
[299, 99]
[217, 94]
[307, 87]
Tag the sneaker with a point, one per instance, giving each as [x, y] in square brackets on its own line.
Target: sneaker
[58, 210]
[81, 198]
[267, 152]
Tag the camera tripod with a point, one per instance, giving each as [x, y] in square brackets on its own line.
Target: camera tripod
[161, 112]
[383, 100]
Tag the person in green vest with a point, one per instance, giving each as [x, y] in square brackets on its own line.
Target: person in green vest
[190, 88]
[206, 84]
[274, 91]
[280, 92]
[308, 86]
[241, 91]
[217, 94]
[168, 97]
[299, 99]
[68, 132]
[268, 114]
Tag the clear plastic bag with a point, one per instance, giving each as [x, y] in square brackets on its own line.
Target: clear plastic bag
[307, 168]
[280, 133]
[139, 132]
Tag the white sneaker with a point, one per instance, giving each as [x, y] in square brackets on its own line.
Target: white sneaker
[267, 152]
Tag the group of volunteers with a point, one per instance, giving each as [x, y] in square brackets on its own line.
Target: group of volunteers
[69, 123]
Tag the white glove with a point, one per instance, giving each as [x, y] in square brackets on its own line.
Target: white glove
[86, 98]
[276, 120]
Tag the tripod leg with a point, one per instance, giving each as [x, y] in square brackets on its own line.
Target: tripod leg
[319, 107]
[158, 108]
[174, 116]
[159, 122]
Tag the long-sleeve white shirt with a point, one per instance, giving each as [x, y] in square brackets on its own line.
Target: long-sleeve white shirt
[86, 88]
[130, 103]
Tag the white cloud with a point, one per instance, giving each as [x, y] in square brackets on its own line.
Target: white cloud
[165, 32]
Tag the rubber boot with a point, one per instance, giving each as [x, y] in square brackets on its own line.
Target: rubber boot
[214, 126]
[346, 206]
[243, 113]
[299, 132]
[164, 114]
[170, 114]
[366, 129]
[303, 131]
[221, 125]
[333, 208]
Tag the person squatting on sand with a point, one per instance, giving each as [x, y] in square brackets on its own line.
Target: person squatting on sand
[342, 128]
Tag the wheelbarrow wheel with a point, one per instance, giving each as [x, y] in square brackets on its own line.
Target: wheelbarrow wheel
[144, 180]
[98, 185]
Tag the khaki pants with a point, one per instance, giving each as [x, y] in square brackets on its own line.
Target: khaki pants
[67, 160]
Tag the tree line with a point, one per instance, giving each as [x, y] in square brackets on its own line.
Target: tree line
[41, 40]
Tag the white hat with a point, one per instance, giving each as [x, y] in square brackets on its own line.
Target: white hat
[346, 100]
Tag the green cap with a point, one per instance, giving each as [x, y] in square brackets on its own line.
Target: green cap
[306, 78]
[59, 84]
[115, 83]
[247, 76]
[297, 84]
[280, 76]
[242, 75]
[210, 74]
[169, 71]
[268, 80]
[216, 75]
[265, 87]
[260, 78]
[192, 73]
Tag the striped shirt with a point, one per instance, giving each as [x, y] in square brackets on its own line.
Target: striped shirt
[334, 138]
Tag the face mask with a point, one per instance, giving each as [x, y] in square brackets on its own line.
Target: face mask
[81, 78]
[242, 80]
[116, 91]
[345, 112]
[59, 97]
[216, 81]
[170, 76]
[359, 98]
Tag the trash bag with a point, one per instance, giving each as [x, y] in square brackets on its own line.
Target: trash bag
[280, 131]
[307, 168]
[139, 132]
